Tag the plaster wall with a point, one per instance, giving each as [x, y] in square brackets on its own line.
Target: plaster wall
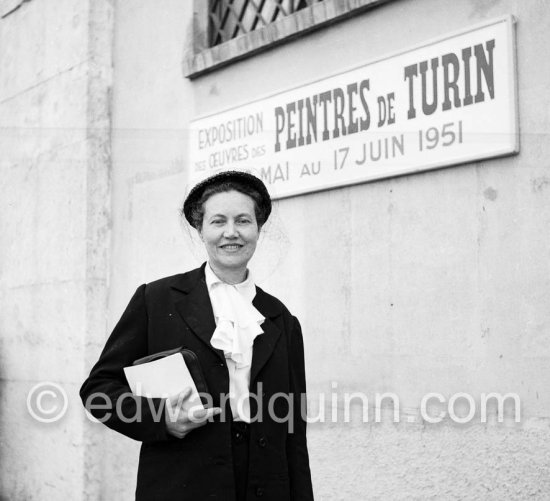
[54, 184]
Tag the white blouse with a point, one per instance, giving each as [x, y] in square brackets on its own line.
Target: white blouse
[237, 325]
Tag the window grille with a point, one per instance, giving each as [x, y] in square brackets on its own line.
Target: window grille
[230, 18]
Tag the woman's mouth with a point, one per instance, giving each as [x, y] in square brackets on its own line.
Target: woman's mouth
[231, 247]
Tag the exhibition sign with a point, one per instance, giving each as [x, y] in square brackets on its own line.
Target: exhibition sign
[449, 101]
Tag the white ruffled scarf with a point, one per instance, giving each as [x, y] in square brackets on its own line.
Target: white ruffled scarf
[238, 321]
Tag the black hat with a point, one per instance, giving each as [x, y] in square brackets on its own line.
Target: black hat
[244, 179]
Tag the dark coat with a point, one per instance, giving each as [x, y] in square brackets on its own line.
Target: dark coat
[176, 311]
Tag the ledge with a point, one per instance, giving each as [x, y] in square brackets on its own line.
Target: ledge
[321, 14]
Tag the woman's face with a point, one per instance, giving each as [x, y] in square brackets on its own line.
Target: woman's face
[229, 230]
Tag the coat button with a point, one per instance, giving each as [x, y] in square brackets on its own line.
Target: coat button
[259, 492]
[262, 442]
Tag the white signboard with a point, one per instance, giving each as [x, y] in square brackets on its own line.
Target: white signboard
[449, 101]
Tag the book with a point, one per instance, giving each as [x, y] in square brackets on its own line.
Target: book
[162, 377]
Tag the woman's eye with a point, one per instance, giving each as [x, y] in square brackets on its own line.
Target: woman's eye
[243, 221]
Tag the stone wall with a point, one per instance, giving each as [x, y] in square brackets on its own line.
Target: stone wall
[55, 123]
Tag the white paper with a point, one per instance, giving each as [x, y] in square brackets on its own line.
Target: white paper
[162, 378]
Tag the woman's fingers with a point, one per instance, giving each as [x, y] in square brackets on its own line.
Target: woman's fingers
[182, 416]
[176, 413]
[201, 415]
[191, 421]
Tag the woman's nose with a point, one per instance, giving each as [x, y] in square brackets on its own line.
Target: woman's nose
[229, 230]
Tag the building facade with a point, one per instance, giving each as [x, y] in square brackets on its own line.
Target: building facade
[431, 278]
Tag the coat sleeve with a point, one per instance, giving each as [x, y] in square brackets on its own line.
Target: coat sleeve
[106, 394]
[297, 454]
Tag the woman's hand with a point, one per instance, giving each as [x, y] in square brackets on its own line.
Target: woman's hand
[183, 415]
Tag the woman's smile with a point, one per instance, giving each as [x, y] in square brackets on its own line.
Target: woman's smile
[231, 247]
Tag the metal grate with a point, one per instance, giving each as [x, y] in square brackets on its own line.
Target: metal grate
[230, 18]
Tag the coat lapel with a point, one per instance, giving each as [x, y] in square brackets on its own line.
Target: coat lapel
[195, 307]
[265, 343]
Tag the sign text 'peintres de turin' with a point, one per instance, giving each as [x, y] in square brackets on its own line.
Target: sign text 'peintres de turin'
[446, 102]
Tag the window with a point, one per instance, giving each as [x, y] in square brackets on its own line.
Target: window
[229, 30]
[230, 18]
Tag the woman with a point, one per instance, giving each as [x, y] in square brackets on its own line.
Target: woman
[252, 444]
